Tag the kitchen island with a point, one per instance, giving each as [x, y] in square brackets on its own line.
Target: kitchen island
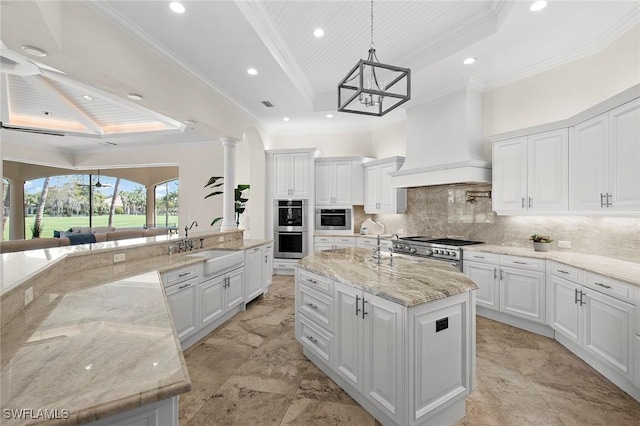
[399, 339]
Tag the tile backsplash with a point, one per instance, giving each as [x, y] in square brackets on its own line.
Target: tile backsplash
[443, 211]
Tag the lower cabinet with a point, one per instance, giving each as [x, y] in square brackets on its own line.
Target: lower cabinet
[219, 295]
[258, 264]
[182, 301]
[163, 413]
[405, 366]
[331, 243]
[522, 293]
[486, 277]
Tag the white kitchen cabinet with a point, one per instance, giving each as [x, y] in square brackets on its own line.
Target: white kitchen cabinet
[379, 197]
[636, 365]
[565, 312]
[371, 242]
[530, 173]
[486, 277]
[267, 266]
[163, 413]
[338, 182]
[369, 346]
[291, 175]
[182, 302]
[258, 263]
[331, 243]
[509, 284]
[212, 302]
[605, 153]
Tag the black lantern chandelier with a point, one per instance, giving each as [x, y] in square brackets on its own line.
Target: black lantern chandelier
[372, 88]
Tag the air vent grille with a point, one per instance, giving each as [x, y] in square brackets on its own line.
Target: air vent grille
[107, 143]
[267, 104]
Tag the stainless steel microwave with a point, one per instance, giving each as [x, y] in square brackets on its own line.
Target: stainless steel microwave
[333, 219]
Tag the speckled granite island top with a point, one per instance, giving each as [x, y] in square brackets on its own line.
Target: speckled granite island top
[96, 344]
[411, 282]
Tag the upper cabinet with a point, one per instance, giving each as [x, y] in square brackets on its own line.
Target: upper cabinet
[379, 197]
[291, 174]
[605, 153]
[530, 173]
[338, 181]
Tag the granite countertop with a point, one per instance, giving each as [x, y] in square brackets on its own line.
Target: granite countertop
[628, 272]
[411, 282]
[240, 244]
[354, 234]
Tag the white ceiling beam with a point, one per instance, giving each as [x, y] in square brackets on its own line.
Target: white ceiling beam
[44, 88]
[5, 114]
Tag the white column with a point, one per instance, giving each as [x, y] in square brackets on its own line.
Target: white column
[228, 210]
[151, 206]
[16, 209]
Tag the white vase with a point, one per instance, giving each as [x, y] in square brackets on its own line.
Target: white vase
[541, 246]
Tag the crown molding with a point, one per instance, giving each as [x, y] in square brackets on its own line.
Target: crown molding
[599, 44]
[259, 19]
[120, 21]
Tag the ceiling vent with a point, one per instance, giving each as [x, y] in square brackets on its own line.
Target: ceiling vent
[267, 104]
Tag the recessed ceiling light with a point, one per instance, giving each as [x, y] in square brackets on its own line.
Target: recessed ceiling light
[286, 119]
[318, 32]
[469, 61]
[177, 7]
[329, 115]
[87, 97]
[252, 71]
[134, 96]
[537, 6]
[47, 113]
[34, 51]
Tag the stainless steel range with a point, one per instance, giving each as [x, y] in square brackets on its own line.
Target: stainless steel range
[444, 249]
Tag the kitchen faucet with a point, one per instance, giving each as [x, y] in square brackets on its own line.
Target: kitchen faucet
[187, 228]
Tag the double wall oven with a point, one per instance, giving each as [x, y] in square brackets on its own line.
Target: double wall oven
[290, 229]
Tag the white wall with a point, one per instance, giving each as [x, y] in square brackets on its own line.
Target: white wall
[566, 90]
[354, 143]
[391, 140]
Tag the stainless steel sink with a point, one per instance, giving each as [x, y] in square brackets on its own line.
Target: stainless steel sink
[220, 260]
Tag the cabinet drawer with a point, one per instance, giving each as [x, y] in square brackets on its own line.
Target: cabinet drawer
[316, 306]
[314, 339]
[522, 263]
[180, 275]
[567, 272]
[316, 282]
[345, 240]
[609, 286]
[323, 240]
[480, 256]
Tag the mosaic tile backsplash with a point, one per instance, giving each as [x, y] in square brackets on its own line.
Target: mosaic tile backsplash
[440, 211]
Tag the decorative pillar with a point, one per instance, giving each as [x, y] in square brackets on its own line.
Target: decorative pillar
[151, 206]
[228, 206]
[16, 209]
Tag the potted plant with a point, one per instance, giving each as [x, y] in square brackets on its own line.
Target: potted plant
[240, 199]
[541, 242]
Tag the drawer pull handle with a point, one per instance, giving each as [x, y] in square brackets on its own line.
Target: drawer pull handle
[563, 271]
[312, 281]
[312, 339]
[520, 263]
[184, 274]
[602, 285]
[478, 257]
[185, 285]
[312, 306]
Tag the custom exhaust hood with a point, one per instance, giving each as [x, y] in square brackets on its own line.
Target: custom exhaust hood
[444, 142]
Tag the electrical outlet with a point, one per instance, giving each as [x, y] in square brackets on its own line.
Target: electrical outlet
[564, 244]
[119, 257]
[28, 296]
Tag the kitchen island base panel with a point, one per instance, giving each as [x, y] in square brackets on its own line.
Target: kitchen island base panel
[448, 414]
[163, 413]
[541, 329]
[201, 334]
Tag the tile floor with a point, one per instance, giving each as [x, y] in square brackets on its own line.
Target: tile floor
[251, 371]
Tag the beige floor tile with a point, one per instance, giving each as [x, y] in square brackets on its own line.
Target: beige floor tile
[312, 412]
[191, 402]
[270, 376]
[215, 363]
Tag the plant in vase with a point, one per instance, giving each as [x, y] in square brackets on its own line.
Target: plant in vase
[541, 242]
[240, 199]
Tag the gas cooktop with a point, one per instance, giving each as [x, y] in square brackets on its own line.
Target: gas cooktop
[443, 241]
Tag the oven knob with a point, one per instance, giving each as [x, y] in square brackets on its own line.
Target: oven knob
[397, 246]
[428, 252]
[436, 251]
[453, 253]
[407, 247]
[449, 253]
[413, 250]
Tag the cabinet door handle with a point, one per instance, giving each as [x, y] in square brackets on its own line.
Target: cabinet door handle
[312, 306]
[575, 298]
[312, 339]
[266, 258]
[609, 196]
[312, 281]
[185, 285]
[563, 271]
[495, 273]
[501, 274]
[520, 263]
[363, 311]
[530, 202]
[523, 202]
[601, 199]
[581, 301]
[357, 300]
[184, 274]
[602, 285]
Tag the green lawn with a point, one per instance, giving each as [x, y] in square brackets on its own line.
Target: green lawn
[51, 223]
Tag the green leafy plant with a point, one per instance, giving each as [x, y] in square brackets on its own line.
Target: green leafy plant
[240, 199]
[541, 238]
